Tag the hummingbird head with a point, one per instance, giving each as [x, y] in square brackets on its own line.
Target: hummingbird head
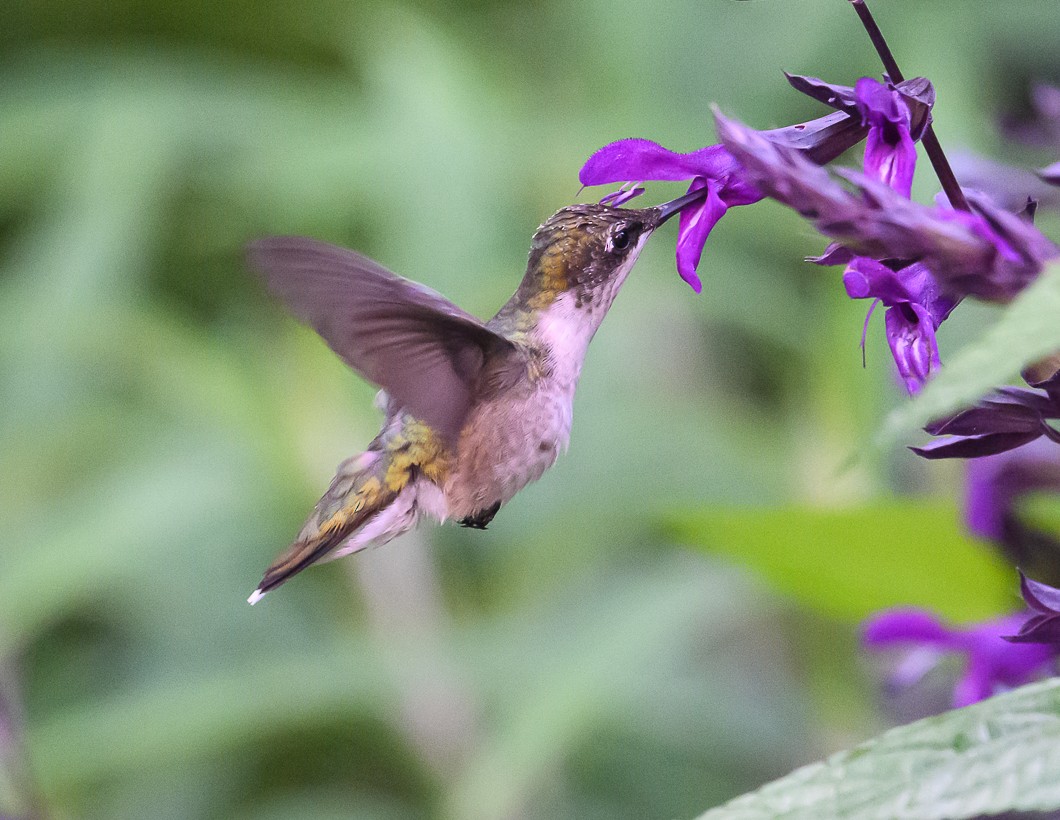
[578, 260]
[584, 253]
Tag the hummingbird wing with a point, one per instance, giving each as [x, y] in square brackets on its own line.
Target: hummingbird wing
[427, 353]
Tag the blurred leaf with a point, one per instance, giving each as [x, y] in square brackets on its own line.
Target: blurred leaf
[183, 719]
[852, 562]
[109, 533]
[588, 669]
[996, 756]
[1027, 331]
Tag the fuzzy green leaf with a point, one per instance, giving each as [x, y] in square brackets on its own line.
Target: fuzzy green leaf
[997, 756]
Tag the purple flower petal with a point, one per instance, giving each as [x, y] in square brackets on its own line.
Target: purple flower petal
[631, 159]
[840, 97]
[911, 335]
[992, 663]
[890, 155]
[915, 311]
[1006, 397]
[1044, 627]
[1006, 419]
[1045, 375]
[917, 93]
[823, 139]
[891, 163]
[711, 167]
[694, 226]
[905, 625]
[974, 685]
[866, 278]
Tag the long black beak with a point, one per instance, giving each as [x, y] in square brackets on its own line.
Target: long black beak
[674, 206]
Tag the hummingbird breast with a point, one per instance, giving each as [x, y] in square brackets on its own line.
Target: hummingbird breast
[512, 438]
[508, 442]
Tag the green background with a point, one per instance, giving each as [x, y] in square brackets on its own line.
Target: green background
[668, 619]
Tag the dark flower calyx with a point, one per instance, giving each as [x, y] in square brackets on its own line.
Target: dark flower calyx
[1044, 625]
[918, 93]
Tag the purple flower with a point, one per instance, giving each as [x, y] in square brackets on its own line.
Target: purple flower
[712, 168]
[917, 94]
[1043, 627]
[992, 663]
[915, 309]
[894, 116]
[910, 292]
[991, 254]
[890, 155]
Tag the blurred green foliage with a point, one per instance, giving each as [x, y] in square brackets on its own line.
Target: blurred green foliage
[165, 427]
[851, 562]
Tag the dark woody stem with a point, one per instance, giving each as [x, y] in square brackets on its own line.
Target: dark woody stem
[929, 140]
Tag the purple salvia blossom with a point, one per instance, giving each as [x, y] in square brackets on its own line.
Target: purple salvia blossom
[992, 663]
[992, 254]
[712, 168]
[890, 155]
[870, 108]
[915, 306]
[915, 309]
[1009, 187]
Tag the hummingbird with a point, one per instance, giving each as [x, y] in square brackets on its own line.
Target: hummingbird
[474, 411]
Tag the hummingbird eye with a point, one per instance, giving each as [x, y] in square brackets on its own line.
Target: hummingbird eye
[622, 238]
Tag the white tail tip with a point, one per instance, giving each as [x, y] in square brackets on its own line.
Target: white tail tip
[256, 596]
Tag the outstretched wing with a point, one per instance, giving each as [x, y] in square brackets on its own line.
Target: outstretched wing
[427, 353]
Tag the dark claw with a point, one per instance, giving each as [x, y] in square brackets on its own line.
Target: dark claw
[481, 519]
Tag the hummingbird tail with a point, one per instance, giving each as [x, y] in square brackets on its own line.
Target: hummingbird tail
[362, 505]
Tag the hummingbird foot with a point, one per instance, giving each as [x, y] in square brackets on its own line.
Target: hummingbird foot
[481, 519]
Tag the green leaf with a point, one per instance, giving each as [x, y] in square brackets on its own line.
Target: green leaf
[851, 562]
[999, 755]
[1027, 331]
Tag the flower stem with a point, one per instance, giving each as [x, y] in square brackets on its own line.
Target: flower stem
[929, 140]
